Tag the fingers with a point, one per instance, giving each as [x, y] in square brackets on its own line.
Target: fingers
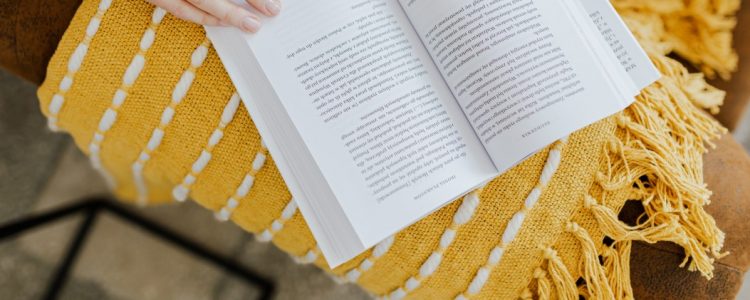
[220, 12]
[187, 12]
[229, 13]
[268, 7]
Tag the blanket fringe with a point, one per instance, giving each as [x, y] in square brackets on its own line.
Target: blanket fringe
[565, 285]
[543, 289]
[700, 31]
[655, 157]
[597, 284]
[616, 261]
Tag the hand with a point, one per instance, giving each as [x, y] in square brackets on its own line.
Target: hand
[220, 12]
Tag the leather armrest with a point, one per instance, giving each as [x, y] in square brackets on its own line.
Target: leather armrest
[738, 89]
[655, 271]
[29, 33]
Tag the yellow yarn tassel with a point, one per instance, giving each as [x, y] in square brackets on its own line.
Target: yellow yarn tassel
[698, 30]
[617, 269]
[565, 285]
[657, 157]
[593, 272]
[660, 227]
[543, 285]
[526, 294]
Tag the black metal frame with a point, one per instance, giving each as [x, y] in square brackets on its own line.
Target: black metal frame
[91, 208]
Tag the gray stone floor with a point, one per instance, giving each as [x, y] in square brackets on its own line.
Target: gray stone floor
[41, 170]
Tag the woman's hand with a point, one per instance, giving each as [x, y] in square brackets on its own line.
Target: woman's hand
[220, 12]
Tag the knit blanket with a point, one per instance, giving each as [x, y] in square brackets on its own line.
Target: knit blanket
[145, 96]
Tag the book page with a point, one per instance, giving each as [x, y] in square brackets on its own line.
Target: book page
[521, 71]
[373, 110]
[630, 54]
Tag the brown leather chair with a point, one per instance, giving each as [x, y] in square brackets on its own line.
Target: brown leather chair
[31, 29]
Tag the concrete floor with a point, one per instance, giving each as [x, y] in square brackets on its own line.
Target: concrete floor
[41, 170]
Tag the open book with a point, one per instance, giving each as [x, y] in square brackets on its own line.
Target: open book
[378, 112]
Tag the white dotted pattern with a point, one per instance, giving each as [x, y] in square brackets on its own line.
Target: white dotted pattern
[514, 225]
[310, 257]
[129, 77]
[178, 94]
[74, 64]
[379, 250]
[244, 188]
[181, 191]
[462, 216]
[278, 224]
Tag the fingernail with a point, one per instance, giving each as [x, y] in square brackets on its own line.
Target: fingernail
[250, 24]
[273, 7]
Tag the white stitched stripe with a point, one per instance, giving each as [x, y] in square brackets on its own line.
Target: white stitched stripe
[496, 255]
[478, 282]
[353, 275]
[178, 93]
[462, 216]
[412, 284]
[201, 162]
[244, 188]
[533, 197]
[310, 257]
[228, 114]
[167, 115]
[259, 160]
[181, 191]
[216, 137]
[66, 83]
[119, 98]
[550, 168]
[199, 56]
[267, 234]
[398, 294]
[276, 226]
[77, 58]
[383, 247]
[466, 211]
[366, 264]
[182, 87]
[74, 64]
[56, 104]
[153, 142]
[379, 250]
[158, 16]
[93, 26]
[287, 213]
[134, 69]
[447, 238]
[514, 225]
[148, 39]
[106, 122]
[516, 222]
[109, 117]
[104, 5]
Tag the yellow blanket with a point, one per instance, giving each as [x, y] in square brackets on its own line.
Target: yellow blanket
[146, 97]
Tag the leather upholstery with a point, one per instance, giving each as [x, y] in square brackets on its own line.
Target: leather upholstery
[655, 271]
[30, 30]
[29, 33]
[738, 89]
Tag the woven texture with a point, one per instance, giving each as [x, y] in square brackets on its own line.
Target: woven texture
[146, 97]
